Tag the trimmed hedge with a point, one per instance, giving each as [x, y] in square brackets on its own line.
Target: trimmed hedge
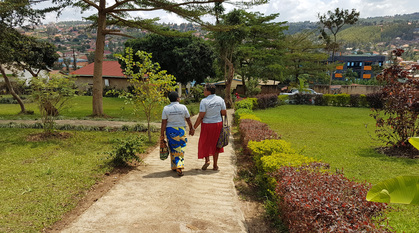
[255, 131]
[341, 100]
[316, 201]
[308, 197]
[267, 100]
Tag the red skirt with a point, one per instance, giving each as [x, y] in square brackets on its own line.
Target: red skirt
[207, 145]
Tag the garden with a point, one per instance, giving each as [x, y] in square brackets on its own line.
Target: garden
[42, 179]
[317, 163]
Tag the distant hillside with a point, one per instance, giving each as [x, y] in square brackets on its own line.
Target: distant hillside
[388, 19]
[307, 25]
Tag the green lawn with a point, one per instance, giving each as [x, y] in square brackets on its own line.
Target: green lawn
[338, 136]
[42, 180]
[80, 108]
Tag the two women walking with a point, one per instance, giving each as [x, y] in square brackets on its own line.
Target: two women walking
[211, 110]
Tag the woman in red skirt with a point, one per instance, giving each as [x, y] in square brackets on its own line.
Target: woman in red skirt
[211, 110]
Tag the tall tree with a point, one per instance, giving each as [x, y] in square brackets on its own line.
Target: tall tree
[187, 58]
[12, 44]
[333, 22]
[226, 43]
[260, 52]
[303, 56]
[23, 53]
[116, 13]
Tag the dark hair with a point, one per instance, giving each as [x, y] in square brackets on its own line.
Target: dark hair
[210, 87]
[173, 96]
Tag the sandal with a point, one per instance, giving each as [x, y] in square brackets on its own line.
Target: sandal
[205, 166]
[179, 172]
[215, 168]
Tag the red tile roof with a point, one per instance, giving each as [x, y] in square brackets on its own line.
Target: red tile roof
[109, 69]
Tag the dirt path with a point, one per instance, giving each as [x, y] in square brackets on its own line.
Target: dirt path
[152, 198]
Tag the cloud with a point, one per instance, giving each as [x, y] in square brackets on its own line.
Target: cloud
[289, 10]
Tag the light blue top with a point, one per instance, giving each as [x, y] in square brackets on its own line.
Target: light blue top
[212, 106]
[175, 114]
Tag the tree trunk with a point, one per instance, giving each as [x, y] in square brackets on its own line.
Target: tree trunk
[97, 71]
[244, 85]
[12, 92]
[229, 80]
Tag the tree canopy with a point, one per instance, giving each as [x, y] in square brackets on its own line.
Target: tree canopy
[187, 58]
[303, 56]
[260, 53]
[114, 14]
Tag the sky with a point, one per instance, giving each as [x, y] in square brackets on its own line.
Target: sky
[289, 10]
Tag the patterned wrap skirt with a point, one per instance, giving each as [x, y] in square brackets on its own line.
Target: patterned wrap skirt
[207, 145]
[176, 139]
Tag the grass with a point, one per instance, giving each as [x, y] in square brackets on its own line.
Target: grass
[40, 181]
[338, 136]
[79, 108]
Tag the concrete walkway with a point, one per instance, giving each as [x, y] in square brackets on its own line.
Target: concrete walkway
[153, 198]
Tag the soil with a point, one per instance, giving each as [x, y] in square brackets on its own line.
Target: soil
[410, 152]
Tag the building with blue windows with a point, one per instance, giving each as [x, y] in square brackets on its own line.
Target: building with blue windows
[360, 64]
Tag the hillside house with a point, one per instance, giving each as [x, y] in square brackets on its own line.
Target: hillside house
[112, 75]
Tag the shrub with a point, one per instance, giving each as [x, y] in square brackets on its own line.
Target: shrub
[254, 102]
[271, 163]
[264, 149]
[303, 98]
[243, 103]
[249, 116]
[354, 100]
[270, 146]
[283, 99]
[329, 99]
[8, 100]
[363, 101]
[315, 201]
[398, 119]
[240, 112]
[342, 100]
[267, 100]
[320, 100]
[126, 150]
[375, 100]
[251, 130]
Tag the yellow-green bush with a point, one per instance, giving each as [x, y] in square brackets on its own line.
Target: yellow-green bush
[239, 112]
[244, 103]
[273, 162]
[269, 146]
[249, 116]
[282, 99]
[363, 100]
[342, 100]
[329, 99]
[254, 102]
[266, 148]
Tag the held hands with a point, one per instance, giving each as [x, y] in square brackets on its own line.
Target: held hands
[191, 131]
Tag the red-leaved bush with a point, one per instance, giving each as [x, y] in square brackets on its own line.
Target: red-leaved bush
[255, 131]
[316, 201]
[398, 119]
